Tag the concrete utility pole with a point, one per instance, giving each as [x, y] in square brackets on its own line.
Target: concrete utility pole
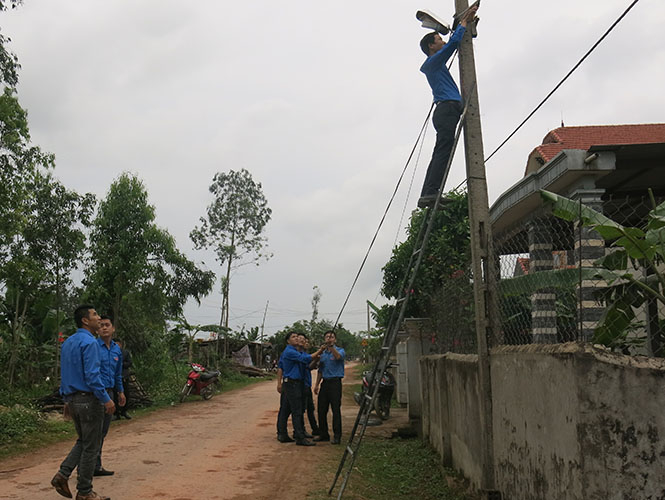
[484, 273]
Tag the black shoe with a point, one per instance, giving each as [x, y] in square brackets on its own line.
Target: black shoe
[103, 472]
[127, 416]
[321, 438]
[304, 442]
[285, 439]
[308, 436]
[117, 417]
[335, 441]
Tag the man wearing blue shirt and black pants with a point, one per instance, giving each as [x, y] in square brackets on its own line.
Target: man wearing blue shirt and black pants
[111, 372]
[448, 103]
[86, 400]
[294, 363]
[329, 388]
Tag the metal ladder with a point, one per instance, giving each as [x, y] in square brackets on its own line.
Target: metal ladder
[390, 338]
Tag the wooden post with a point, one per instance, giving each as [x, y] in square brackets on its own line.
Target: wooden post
[483, 264]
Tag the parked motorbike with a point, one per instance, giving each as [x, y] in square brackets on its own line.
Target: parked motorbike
[200, 381]
[385, 394]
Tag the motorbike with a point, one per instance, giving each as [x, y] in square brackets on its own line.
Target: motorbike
[200, 381]
[385, 394]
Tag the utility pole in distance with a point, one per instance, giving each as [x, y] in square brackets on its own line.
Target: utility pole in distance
[483, 264]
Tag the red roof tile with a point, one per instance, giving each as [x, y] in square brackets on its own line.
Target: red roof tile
[596, 135]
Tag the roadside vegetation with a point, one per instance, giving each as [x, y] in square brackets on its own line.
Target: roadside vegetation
[395, 469]
[24, 428]
[389, 468]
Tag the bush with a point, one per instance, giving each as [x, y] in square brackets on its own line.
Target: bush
[18, 421]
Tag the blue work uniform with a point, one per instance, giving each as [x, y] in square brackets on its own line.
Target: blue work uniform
[80, 369]
[446, 115]
[294, 364]
[330, 393]
[111, 372]
[84, 392]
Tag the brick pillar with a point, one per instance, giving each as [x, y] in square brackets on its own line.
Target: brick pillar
[543, 302]
[589, 246]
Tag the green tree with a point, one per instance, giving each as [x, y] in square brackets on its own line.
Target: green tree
[447, 257]
[234, 226]
[135, 269]
[40, 261]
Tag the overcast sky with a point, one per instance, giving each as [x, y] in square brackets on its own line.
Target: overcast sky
[321, 102]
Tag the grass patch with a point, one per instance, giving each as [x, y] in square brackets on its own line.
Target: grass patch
[395, 469]
[47, 431]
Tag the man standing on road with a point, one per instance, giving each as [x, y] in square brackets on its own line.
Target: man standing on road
[111, 371]
[294, 363]
[329, 388]
[86, 400]
[448, 103]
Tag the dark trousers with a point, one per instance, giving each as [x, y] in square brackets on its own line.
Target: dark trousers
[446, 116]
[88, 415]
[309, 408]
[105, 429]
[291, 403]
[330, 395]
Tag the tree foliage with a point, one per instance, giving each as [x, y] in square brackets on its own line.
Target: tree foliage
[233, 226]
[136, 271]
[446, 257]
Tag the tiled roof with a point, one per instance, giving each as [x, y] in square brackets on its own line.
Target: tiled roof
[596, 135]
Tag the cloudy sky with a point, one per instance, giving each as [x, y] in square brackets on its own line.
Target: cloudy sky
[321, 102]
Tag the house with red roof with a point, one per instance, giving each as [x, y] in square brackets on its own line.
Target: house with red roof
[610, 168]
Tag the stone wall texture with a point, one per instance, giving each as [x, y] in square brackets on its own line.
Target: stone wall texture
[571, 421]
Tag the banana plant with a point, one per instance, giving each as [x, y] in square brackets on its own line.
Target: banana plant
[630, 268]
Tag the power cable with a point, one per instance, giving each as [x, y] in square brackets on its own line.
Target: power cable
[385, 213]
[564, 79]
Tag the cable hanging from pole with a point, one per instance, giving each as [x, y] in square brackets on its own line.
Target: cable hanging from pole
[385, 213]
[564, 79]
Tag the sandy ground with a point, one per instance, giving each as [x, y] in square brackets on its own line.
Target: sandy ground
[225, 448]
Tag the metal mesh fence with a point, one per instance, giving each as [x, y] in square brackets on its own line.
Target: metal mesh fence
[567, 273]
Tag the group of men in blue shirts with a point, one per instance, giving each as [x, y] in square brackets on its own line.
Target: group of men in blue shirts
[91, 376]
[294, 383]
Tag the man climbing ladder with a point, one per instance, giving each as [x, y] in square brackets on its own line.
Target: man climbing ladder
[448, 103]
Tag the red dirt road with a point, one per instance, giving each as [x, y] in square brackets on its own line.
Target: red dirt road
[225, 448]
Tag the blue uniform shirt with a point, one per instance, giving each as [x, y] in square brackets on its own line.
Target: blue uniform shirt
[293, 362]
[331, 367]
[111, 365]
[80, 366]
[443, 86]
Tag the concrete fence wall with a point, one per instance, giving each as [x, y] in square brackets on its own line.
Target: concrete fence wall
[570, 421]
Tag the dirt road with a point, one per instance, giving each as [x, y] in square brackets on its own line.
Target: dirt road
[225, 448]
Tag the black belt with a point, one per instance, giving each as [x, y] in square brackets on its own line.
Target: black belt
[68, 397]
[286, 379]
[333, 378]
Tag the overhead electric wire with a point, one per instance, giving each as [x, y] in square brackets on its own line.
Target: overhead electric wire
[383, 218]
[564, 79]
